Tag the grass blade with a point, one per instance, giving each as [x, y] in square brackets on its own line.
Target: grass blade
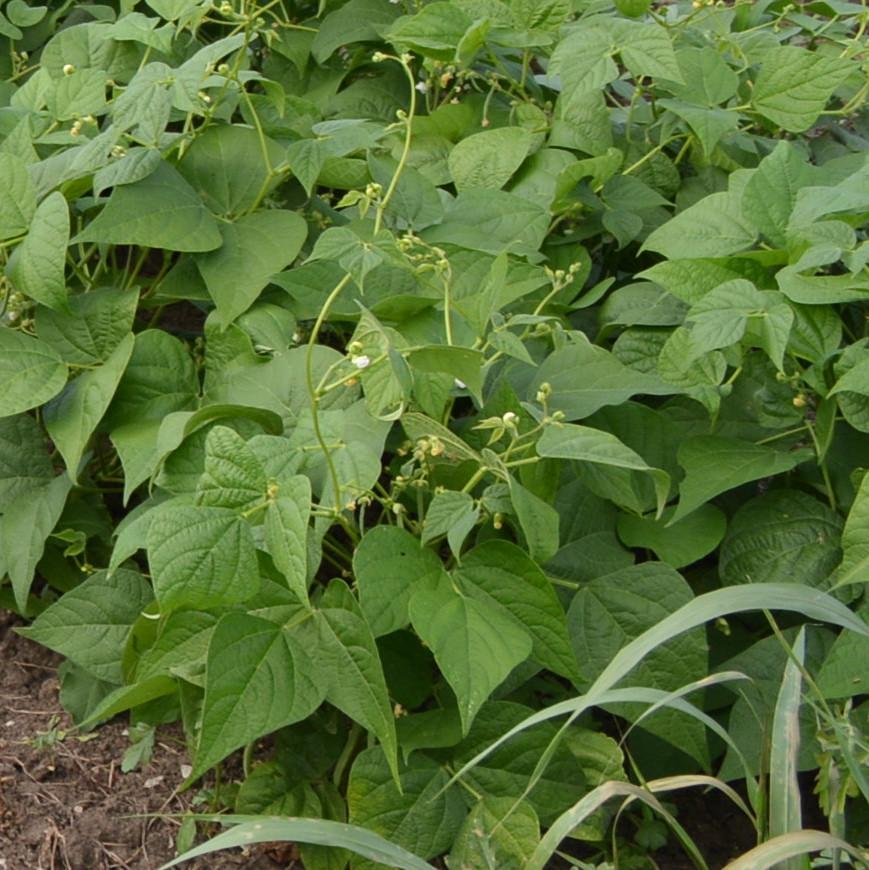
[787, 846]
[785, 806]
[699, 780]
[319, 831]
[595, 799]
[735, 599]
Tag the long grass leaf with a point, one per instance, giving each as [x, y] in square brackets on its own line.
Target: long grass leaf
[318, 831]
[789, 846]
[699, 780]
[785, 807]
[595, 799]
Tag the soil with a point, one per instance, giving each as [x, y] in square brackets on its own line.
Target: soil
[67, 805]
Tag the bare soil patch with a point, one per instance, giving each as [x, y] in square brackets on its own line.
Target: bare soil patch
[67, 805]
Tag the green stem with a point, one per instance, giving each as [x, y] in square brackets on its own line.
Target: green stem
[408, 137]
[346, 754]
[528, 461]
[477, 476]
[246, 759]
[650, 154]
[312, 389]
[828, 483]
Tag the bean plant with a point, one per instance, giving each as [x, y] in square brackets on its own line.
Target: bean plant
[455, 414]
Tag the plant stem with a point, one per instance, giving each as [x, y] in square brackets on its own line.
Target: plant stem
[346, 754]
[312, 390]
[405, 153]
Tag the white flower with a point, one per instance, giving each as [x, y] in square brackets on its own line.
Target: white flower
[460, 384]
[510, 418]
[361, 362]
[422, 87]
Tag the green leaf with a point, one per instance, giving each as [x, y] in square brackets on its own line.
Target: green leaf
[707, 80]
[585, 378]
[24, 528]
[491, 221]
[347, 654]
[81, 93]
[771, 192]
[497, 833]
[597, 447]
[488, 159]
[610, 612]
[714, 465]
[795, 84]
[37, 265]
[453, 514]
[23, 14]
[97, 322]
[435, 31]
[127, 697]
[709, 125]
[356, 255]
[201, 557]
[24, 461]
[356, 21]
[172, 9]
[475, 648]
[18, 204]
[647, 50]
[415, 202]
[356, 461]
[30, 370]
[258, 679]
[461, 362]
[720, 318]
[160, 379]
[850, 194]
[713, 227]
[254, 248]
[388, 564]
[690, 280]
[145, 107]
[682, 364]
[539, 14]
[422, 816]
[74, 415]
[855, 541]
[160, 211]
[286, 529]
[843, 673]
[505, 581]
[538, 521]
[180, 646]
[306, 158]
[784, 536]
[90, 623]
[641, 304]
[680, 544]
[233, 476]
[584, 62]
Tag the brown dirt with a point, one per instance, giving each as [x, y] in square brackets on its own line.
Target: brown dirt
[67, 806]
